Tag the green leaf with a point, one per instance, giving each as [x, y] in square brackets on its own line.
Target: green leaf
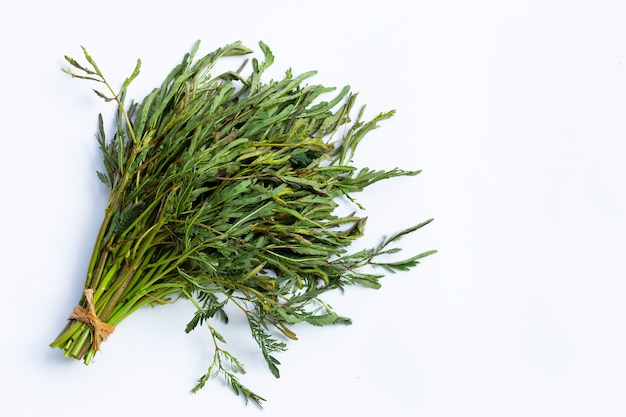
[105, 180]
[326, 319]
[122, 220]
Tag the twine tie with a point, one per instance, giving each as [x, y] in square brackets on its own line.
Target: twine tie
[101, 330]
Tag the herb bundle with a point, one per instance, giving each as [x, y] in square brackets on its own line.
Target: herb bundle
[223, 189]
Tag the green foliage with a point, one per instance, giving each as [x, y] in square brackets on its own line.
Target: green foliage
[223, 191]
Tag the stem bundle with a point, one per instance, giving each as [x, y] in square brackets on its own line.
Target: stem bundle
[223, 190]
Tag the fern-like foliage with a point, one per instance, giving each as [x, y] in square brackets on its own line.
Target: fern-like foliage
[224, 190]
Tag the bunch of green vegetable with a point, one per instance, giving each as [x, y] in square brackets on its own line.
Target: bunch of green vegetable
[223, 189]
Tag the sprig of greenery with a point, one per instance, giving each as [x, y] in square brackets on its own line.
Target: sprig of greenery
[223, 190]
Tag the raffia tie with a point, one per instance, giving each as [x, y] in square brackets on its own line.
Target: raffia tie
[101, 330]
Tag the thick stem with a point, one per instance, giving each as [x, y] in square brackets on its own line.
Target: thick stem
[137, 282]
[76, 338]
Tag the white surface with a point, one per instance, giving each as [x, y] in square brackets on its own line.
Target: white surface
[514, 110]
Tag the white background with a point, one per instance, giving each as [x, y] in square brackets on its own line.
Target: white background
[514, 110]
